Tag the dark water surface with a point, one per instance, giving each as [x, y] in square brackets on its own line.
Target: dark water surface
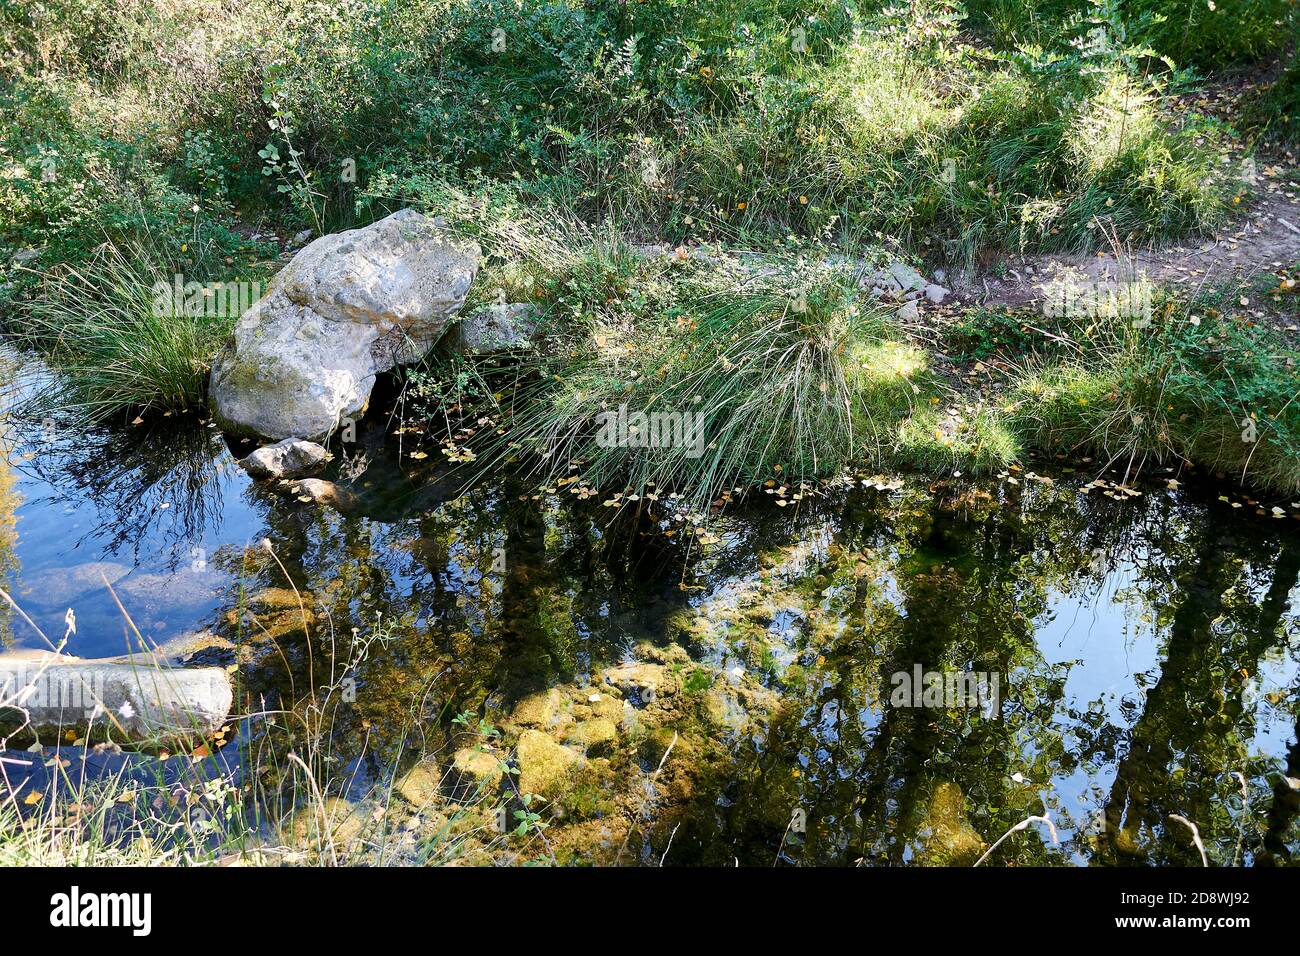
[1146, 644]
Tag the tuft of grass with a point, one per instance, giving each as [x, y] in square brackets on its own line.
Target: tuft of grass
[116, 339]
[784, 372]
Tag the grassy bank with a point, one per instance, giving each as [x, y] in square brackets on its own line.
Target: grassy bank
[144, 141]
[793, 374]
[736, 121]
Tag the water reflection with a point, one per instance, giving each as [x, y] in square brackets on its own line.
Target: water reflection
[1147, 645]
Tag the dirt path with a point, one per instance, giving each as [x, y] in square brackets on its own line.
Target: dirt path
[1265, 239]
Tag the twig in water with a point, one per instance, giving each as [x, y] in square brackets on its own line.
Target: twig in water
[653, 777]
[1196, 835]
[1045, 818]
[669, 846]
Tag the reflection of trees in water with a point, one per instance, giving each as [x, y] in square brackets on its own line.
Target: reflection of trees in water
[127, 474]
[954, 582]
[971, 586]
[9, 501]
[1195, 728]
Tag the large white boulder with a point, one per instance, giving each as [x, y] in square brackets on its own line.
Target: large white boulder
[348, 306]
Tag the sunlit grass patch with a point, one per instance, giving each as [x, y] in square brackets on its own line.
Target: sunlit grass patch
[980, 444]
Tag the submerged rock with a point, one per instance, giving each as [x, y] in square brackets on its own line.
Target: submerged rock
[138, 700]
[641, 684]
[325, 493]
[285, 459]
[420, 785]
[595, 736]
[474, 771]
[545, 767]
[348, 306]
[545, 710]
[331, 822]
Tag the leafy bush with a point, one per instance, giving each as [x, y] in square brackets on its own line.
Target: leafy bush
[1198, 34]
[70, 186]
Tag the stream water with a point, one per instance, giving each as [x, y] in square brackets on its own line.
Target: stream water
[1145, 642]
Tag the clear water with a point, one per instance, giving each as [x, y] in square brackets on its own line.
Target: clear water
[1147, 648]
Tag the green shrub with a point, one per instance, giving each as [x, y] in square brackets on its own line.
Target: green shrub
[1274, 109]
[1197, 34]
[1211, 35]
[69, 186]
[1046, 161]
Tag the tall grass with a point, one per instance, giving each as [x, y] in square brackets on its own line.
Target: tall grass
[99, 324]
[780, 369]
[1200, 385]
